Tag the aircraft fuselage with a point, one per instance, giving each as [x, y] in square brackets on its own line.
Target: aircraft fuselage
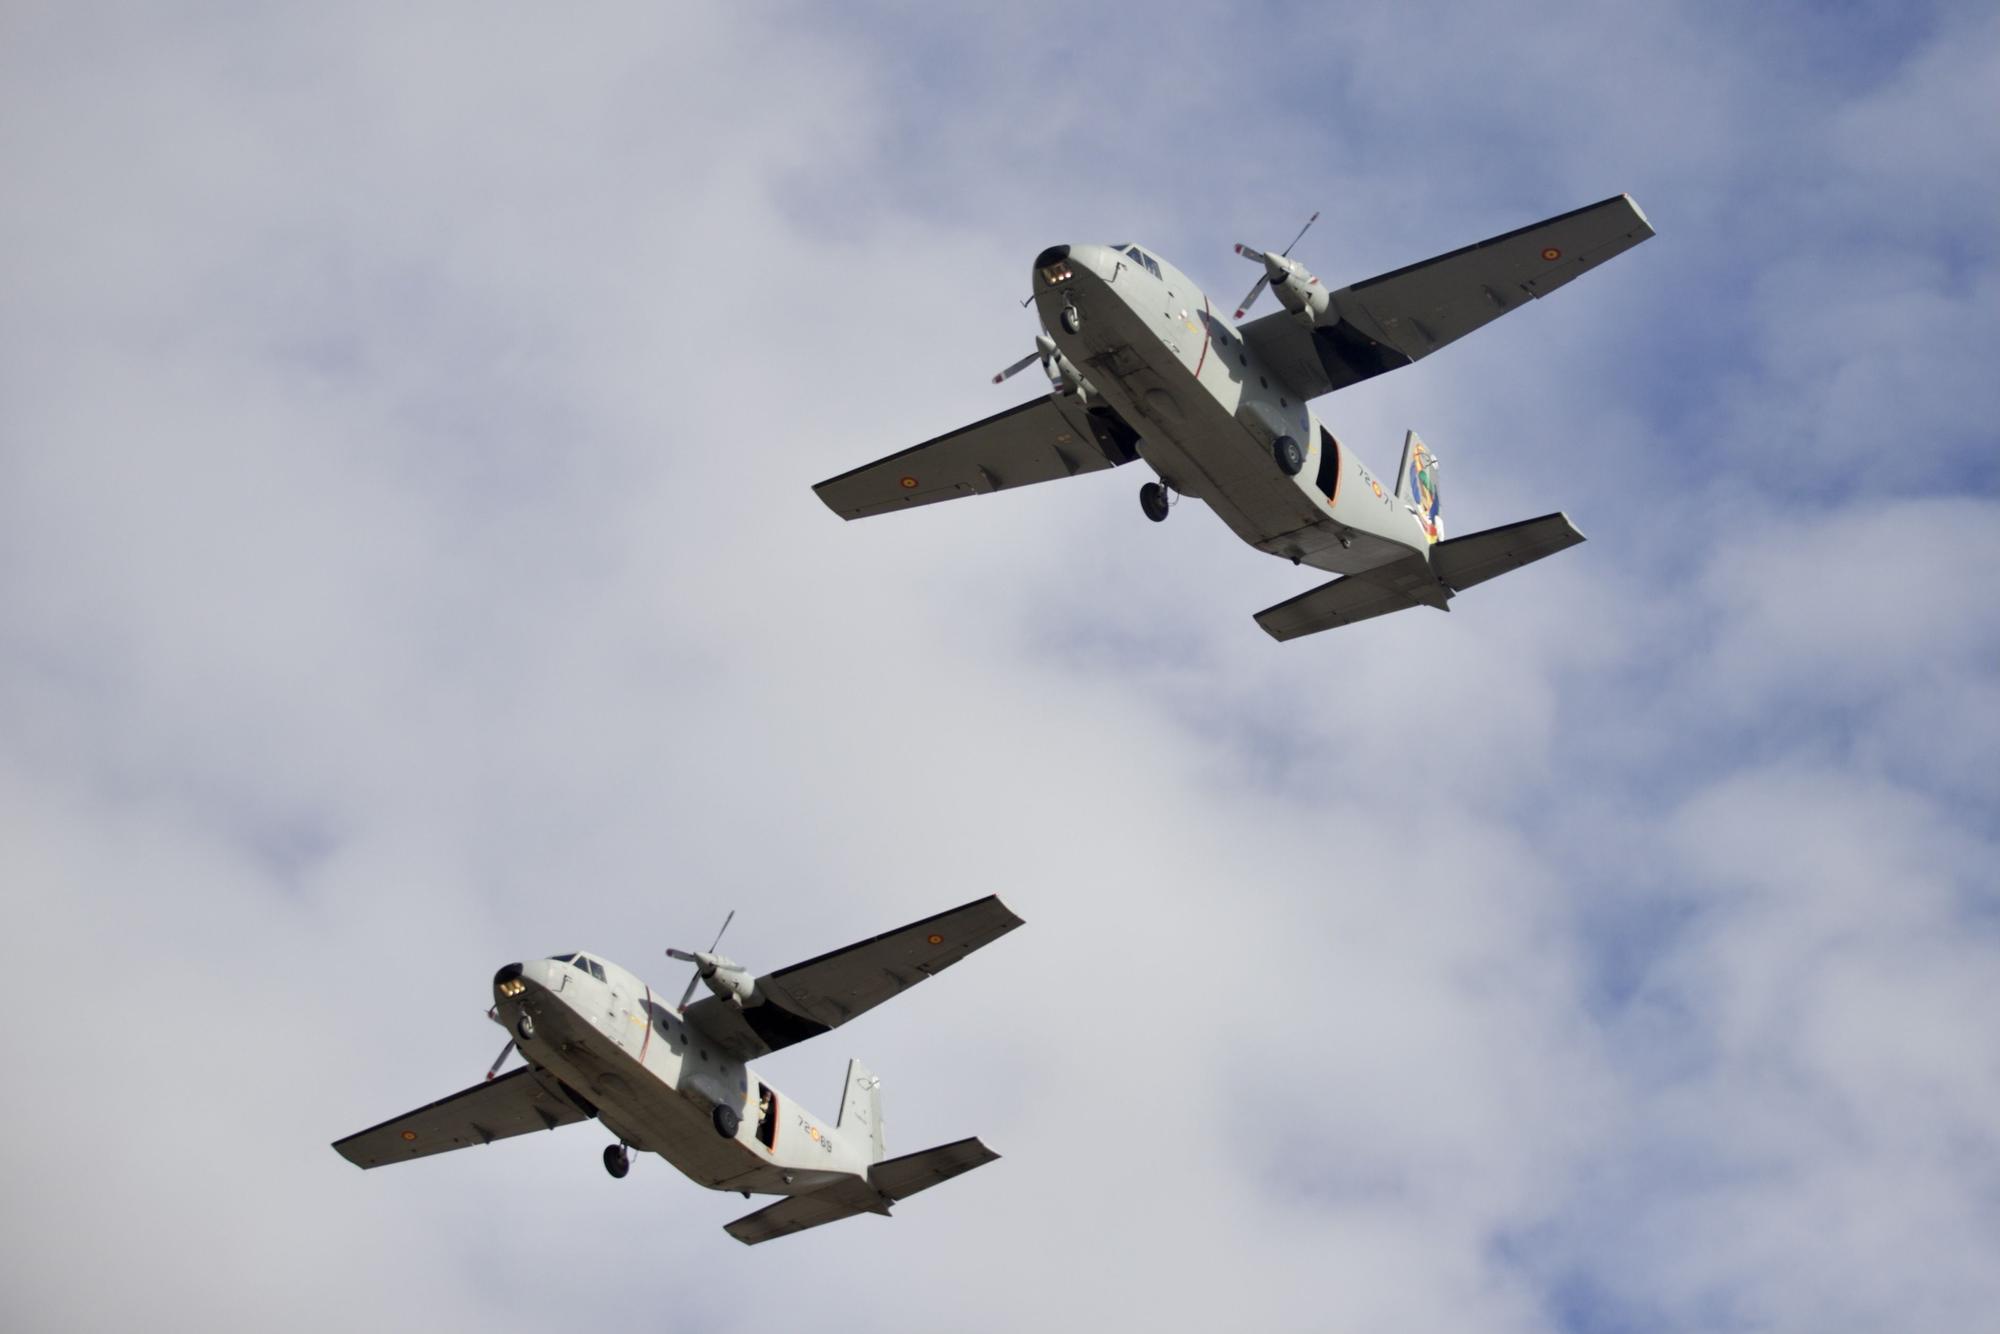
[655, 1082]
[1209, 415]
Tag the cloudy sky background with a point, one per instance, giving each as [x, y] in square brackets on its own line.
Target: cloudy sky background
[407, 564]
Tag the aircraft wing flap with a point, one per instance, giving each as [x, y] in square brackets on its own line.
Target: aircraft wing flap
[1398, 317]
[809, 998]
[514, 1104]
[1034, 442]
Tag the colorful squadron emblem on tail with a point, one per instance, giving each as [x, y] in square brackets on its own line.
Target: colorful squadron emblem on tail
[1421, 487]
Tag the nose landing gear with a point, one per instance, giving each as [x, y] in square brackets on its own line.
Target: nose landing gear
[617, 1160]
[1072, 320]
[1155, 501]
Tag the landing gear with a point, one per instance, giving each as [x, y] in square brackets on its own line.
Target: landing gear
[1072, 320]
[617, 1161]
[524, 1028]
[1290, 455]
[727, 1122]
[1153, 500]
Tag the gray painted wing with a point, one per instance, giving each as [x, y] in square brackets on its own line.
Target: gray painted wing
[1398, 317]
[1462, 562]
[1031, 443]
[809, 998]
[513, 1104]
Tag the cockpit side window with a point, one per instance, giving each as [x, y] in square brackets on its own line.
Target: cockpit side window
[596, 968]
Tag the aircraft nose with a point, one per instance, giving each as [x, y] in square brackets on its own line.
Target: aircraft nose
[1052, 255]
[508, 981]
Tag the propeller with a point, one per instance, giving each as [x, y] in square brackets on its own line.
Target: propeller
[695, 959]
[1045, 348]
[501, 1057]
[1260, 257]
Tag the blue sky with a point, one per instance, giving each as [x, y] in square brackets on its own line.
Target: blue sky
[408, 565]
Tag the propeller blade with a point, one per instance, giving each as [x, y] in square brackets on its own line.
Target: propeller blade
[682, 955]
[1018, 367]
[690, 991]
[725, 926]
[1255, 292]
[1302, 231]
[1250, 253]
[501, 1057]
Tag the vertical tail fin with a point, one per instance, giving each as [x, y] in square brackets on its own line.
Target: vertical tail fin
[861, 1108]
[1417, 485]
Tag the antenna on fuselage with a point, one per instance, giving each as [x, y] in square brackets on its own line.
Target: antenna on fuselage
[695, 959]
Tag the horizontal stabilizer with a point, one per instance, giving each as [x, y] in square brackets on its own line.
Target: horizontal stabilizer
[1341, 602]
[1461, 562]
[888, 1182]
[900, 1178]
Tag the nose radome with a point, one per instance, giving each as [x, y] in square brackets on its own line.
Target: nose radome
[1051, 255]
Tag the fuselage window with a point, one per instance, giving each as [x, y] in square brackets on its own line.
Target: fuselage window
[596, 969]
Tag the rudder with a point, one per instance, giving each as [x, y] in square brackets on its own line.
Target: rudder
[861, 1108]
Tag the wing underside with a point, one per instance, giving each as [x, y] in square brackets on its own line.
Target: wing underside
[809, 998]
[514, 1104]
[1396, 318]
[1035, 442]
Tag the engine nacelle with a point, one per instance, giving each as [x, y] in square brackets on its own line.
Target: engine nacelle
[729, 980]
[1297, 289]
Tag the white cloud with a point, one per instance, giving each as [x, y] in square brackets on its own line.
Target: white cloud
[408, 564]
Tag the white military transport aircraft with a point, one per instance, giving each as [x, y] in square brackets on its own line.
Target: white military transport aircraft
[1141, 366]
[673, 1081]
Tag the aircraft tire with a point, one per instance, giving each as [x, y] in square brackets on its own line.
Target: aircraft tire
[617, 1161]
[1072, 320]
[1153, 500]
[1291, 458]
[524, 1028]
[727, 1122]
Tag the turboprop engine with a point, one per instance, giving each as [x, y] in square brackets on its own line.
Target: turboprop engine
[727, 979]
[1297, 289]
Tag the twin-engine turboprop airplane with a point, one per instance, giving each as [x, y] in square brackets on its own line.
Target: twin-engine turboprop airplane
[1141, 366]
[673, 1081]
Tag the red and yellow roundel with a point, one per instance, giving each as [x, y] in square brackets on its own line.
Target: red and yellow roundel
[409, 1135]
[909, 483]
[937, 940]
[1552, 254]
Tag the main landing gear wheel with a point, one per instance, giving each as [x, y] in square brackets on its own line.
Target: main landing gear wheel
[1153, 500]
[1072, 320]
[1291, 458]
[617, 1161]
[726, 1121]
[524, 1028]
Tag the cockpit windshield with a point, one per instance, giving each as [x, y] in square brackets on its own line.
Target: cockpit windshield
[562, 958]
